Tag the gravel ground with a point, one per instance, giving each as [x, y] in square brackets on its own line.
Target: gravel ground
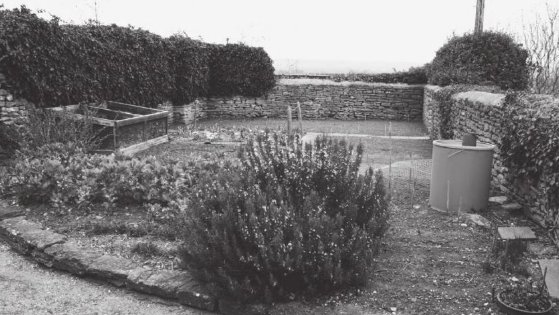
[27, 288]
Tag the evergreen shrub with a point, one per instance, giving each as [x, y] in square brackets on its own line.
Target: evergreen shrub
[489, 58]
[53, 64]
[237, 69]
[289, 220]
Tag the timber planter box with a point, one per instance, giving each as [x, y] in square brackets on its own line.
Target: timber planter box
[123, 128]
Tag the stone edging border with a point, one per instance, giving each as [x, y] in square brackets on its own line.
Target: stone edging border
[54, 250]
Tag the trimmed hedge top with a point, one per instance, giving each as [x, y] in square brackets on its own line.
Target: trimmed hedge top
[414, 75]
[489, 58]
[240, 69]
[52, 64]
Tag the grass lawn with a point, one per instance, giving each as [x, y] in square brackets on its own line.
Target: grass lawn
[379, 152]
[369, 127]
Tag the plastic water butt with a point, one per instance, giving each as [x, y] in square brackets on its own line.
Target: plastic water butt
[461, 176]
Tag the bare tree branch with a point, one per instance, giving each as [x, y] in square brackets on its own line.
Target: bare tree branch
[541, 39]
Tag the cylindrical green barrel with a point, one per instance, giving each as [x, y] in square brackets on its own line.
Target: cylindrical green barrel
[461, 176]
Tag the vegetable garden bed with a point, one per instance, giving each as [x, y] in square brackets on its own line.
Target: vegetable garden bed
[121, 127]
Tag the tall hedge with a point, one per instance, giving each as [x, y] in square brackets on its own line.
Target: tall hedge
[237, 69]
[489, 58]
[189, 61]
[52, 64]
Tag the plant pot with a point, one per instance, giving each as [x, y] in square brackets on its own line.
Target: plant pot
[512, 310]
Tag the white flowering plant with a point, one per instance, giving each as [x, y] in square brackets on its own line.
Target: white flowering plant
[291, 220]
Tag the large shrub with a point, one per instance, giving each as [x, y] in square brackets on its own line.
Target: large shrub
[189, 61]
[489, 58]
[9, 139]
[237, 69]
[52, 64]
[290, 220]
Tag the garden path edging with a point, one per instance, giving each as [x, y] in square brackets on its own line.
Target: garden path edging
[54, 250]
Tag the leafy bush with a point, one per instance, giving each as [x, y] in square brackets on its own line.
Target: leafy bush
[289, 220]
[530, 147]
[9, 139]
[51, 64]
[414, 75]
[189, 60]
[63, 175]
[237, 69]
[489, 58]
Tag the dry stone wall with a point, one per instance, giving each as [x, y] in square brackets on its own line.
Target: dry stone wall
[481, 113]
[319, 99]
[11, 108]
[322, 99]
[431, 114]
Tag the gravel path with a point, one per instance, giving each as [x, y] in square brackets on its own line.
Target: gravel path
[27, 288]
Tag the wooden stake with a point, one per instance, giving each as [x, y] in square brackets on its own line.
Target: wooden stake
[448, 196]
[300, 118]
[390, 157]
[195, 112]
[289, 119]
[410, 184]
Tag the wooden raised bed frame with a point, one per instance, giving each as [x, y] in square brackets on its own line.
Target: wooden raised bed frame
[125, 128]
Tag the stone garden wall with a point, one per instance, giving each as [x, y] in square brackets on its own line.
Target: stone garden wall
[322, 99]
[319, 98]
[11, 108]
[481, 113]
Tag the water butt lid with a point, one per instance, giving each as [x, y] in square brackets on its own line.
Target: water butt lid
[457, 144]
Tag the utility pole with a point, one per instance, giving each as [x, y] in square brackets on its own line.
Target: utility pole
[479, 16]
[96, 13]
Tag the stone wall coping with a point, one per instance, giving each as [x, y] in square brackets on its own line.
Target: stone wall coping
[343, 83]
[56, 251]
[433, 88]
[485, 98]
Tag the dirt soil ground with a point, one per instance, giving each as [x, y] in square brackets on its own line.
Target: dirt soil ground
[27, 288]
[431, 263]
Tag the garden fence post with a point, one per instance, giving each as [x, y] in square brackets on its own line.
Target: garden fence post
[410, 182]
[390, 157]
[195, 112]
[115, 136]
[289, 119]
[300, 117]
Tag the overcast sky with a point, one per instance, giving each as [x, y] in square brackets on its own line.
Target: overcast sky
[368, 35]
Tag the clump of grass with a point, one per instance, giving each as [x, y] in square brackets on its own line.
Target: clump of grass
[506, 257]
[147, 249]
[133, 230]
[114, 227]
